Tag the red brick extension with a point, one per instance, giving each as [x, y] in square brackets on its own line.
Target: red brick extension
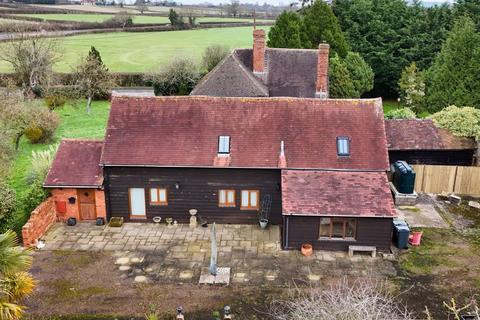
[46, 214]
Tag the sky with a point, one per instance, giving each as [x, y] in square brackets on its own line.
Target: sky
[273, 2]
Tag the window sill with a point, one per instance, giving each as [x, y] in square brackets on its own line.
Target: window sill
[226, 206]
[337, 239]
[248, 209]
[159, 204]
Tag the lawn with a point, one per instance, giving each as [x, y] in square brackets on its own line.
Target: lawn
[146, 51]
[74, 123]
[138, 19]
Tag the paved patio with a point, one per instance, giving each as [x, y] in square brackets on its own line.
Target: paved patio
[147, 252]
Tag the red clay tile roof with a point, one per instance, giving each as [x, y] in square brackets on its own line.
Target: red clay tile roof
[183, 131]
[336, 193]
[76, 164]
[418, 134]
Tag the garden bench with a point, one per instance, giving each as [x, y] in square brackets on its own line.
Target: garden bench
[352, 249]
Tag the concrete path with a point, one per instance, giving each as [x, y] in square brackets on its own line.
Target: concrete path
[423, 215]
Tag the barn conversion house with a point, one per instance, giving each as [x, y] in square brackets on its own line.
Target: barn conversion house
[321, 163]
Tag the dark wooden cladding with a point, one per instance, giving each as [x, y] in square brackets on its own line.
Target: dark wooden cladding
[197, 189]
[434, 157]
[370, 232]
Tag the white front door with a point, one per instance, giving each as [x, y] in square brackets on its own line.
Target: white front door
[137, 201]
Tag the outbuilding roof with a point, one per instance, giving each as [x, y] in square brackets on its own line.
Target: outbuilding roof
[422, 134]
[76, 164]
[336, 193]
[184, 131]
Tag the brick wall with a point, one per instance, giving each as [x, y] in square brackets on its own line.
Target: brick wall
[62, 196]
[42, 218]
[100, 204]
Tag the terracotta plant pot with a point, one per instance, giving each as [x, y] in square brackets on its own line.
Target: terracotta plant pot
[307, 249]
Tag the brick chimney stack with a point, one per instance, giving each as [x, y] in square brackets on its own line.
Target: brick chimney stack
[258, 51]
[322, 71]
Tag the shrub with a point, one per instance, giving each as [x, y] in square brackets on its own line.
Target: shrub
[34, 134]
[213, 55]
[43, 125]
[55, 101]
[464, 122]
[362, 299]
[401, 113]
[8, 205]
[177, 78]
[34, 195]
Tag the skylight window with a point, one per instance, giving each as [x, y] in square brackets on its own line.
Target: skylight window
[343, 146]
[224, 144]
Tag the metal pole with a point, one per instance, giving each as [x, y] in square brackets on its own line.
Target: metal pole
[213, 256]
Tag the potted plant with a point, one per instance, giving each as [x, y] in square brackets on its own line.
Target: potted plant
[265, 211]
[263, 223]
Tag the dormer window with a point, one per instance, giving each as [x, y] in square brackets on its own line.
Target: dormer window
[224, 145]
[343, 146]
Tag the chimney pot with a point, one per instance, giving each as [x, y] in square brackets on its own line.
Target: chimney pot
[322, 71]
[258, 51]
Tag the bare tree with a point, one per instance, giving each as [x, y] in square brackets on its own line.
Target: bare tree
[92, 78]
[32, 60]
[213, 55]
[362, 299]
[141, 6]
[234, 8]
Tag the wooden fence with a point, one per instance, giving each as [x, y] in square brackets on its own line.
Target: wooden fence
[457, 179]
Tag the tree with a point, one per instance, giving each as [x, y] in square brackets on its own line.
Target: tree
[412, 88]
[92, 78]
[464, 122]
[213, 55]
[32, 60]
[122, 19]
[177, 78]
[175, 18]
[360, 72]
[141, 6]
[321, 25]
[470, 8]
[233, 8]
[15, 282]
[340, 81]
[397, 33]
[453, 78]
[285, 33]
[350, 77]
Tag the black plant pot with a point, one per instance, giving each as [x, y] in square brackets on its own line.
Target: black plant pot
[71, 221]
[100, 221]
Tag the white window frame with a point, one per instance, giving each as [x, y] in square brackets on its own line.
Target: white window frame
[223, 144]
[343, 146]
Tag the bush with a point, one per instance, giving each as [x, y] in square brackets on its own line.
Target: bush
[43, 125]
[362, 299]
[8, 205]
[55, 101]
[213, 55]
[401, 113]
[34, 195]
[177, 78]
[464, 122]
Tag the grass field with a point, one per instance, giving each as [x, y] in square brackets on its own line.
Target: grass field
[138, 19]
[146, 51]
